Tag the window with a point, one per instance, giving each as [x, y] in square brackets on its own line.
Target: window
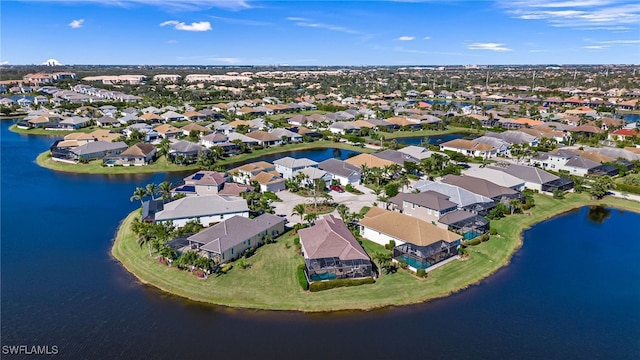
[231, 251]
[208, 187]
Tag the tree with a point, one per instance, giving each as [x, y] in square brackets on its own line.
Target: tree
[384, 260]
[139, 194]
[310, 218]
[600, 186]
[343, 211]
[163, 149]
[391, 189]
[152, 189]
[299, 210]
[515, 206]
[403, 180]
[164, 190]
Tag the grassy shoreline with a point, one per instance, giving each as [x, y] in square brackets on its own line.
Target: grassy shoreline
[160, 165]
[424, 133]
[271, 284]
[51, 133]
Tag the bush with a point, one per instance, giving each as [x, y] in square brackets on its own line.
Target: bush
[493, 231]
[421, 273]
[302, 279]
[390, 245]
[225, 269]
[403, 264]
[326, 285]
[633, 189]
[475, 241]
[484, 238]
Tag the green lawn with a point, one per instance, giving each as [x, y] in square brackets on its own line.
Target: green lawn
[270, 282]
[423, 133]
[43, 132]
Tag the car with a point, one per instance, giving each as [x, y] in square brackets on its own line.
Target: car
[336, 188]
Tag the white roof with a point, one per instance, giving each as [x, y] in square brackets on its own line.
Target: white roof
[495, 176]
[194, 206]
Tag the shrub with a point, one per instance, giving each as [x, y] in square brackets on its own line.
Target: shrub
[484, 238]
[421, 273]
[475, 241]
[403, 264]
[493, 231]
[326, 285]
[225, 269]
[302, 279]
[390, 245]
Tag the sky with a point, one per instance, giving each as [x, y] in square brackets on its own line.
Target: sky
[302, 33]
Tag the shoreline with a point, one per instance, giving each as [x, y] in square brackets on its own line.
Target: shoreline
[44, 160]
[405, 291]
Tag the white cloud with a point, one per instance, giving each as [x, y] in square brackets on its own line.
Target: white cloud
[194, 26]
[76, 23]
[4, 63]
[487, 46]
[427, 38]
[227, 60]
[614, 15]
[405, 38]
[595, 47]
[299, 21]
[619, 42]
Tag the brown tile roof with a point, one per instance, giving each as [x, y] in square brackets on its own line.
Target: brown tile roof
[193, 126]
[167, 129]
[330, 238]
[369, 160]
[267, 178]
[262, 136]
[467, 145]
[139, 149]
[150, 116]
[406, 228]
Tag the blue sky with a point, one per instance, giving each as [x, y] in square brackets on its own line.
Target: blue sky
[247, 32]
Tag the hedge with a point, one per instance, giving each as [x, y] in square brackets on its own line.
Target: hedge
[326, 285]
[302, 279]
[628, 188]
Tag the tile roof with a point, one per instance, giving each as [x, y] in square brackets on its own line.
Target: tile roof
[330, 238]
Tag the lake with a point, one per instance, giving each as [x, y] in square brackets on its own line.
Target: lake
[571, 292]
[430, 140]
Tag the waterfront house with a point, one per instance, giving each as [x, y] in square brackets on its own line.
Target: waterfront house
[139, 154]
[73, 123]
[230, 238]
[567, 160]
[286, 134]
[202, 183]
[536, 179]
[312, 174]
[97, 150]
[145, 129]
[465, 199]
[186, 152]
[467, 224]
[341, 171]
[343, 128]
[213, 140]
[418, 243]
[243, 173]
[193, 115]
[484, 187]
[205, 209]
[369, 160]
[187, 129]
[264, 138]
[269, 182]
[469, 148]
[331, 251]
[418, 152]
[497, 177]
[287, 166]
[395, 156]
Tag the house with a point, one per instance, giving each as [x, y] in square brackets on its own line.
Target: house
[341, 171]
[74, 123]
[186, 152]
[286, 135]
[418, 243]
[151, 117]
[343, 128]
[501, 146]
[150, 208]
[244, 173]
[312, 174]
[202, 183]
[195, 115]
[213, 140]
[428, 206]
[107, 121]
[565, 160]
[139, 154]
[469, 148]
[287, 166]
[269, 182]
[230, 238]
[204, 209]
[465, 199]
[167, 131]
[147, 131]
[368, 160]
[624, 134]
[536, 179]
[97, 150]
[497, 177]
[187, 129]
[171, 116]
[264, 138]
[516, 137]
[417, 152]
[485, 188]
[331, 251]
[395, 156]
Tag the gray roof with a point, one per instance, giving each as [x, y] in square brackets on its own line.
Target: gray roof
[187, 147]
[427, 199]
[194, 206]
[479, 186]
[583, 163]
[456, 194]
[344, 126]
[339, 167]
[279, 132]
[495, 176]
[493, 141]
[312, 172]
[231, 232]
[462, 215]
[330, 238]
[418, 152]
[292, 163]
[615, 153]
[99, 146]
[528, 173]
[107, 120]
[513, 137]
[395, 156]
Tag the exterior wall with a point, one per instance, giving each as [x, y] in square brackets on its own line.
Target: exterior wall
[206, 220]
[208, 189]
[274, 187]
[378, 237]
[354, 179]
[533, 186]
[286, 172]
[255, 240]
[420, 212]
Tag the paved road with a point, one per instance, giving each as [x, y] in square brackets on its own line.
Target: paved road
[353, 202]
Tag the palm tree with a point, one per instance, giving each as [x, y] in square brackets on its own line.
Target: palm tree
[165, 190]
[515, 205]
[217, 152]
[146, 238]
[299, 210]
[152, 189]
[163, 148]
[139, 194]
[364, 173]
[311, 217]
[343, 211]
[404, 181]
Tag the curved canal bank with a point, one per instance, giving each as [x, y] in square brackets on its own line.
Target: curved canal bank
[271, 284]
[161, 165]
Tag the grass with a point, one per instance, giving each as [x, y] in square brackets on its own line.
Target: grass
[160, 165]
[422, 133]
[43, 132]
[271, 283]
[95, 166]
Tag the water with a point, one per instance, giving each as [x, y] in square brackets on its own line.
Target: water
[630, 118]
[431, 140]
[317, 155]
[570, 292]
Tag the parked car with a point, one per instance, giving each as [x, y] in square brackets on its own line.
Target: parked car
[336, 188]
